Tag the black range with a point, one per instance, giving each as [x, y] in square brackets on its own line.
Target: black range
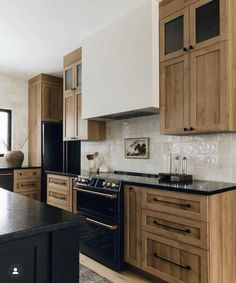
[151, 181]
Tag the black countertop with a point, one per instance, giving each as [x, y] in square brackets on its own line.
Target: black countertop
[196, 187]
[61, 173]
[21, 217]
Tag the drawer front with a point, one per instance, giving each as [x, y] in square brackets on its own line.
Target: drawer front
[173, 262]
[23, 174]
[26, 186]
[59, 182]
[33, 194]
[179, 204]
[58, 198]
[181, 229]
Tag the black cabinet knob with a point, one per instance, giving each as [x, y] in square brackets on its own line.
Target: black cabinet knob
[191, 47]
[191, 129]
[185, 49]
[185, 129]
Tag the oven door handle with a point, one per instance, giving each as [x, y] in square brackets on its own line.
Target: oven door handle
[96, 193]
[111, 227]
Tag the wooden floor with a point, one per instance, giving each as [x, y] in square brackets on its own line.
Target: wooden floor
[127, 276]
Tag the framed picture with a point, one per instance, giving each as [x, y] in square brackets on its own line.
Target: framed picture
[137, 148]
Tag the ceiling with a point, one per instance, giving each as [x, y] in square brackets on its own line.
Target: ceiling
[36, 34]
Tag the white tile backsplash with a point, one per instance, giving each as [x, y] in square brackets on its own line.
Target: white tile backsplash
[210, 157]
[14, 96]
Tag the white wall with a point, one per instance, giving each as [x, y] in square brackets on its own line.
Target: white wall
[210, 157]
[120, 70]
[14, 96]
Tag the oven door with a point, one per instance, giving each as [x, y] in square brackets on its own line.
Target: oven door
[100, 241]
[97, 204]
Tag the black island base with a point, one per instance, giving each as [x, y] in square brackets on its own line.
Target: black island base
[38, 243]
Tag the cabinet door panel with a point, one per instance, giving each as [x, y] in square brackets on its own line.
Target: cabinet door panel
[35, 125]
[172, 261]
[174, 88]
[207, 22]
[78, 74]
[51, 103]
[174, 34]
[81, 125]
[68, 79]
[133, 226]
[209, 103]
[69, 116]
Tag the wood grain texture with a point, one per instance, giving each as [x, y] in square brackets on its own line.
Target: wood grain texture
[177, 228]
[168, 7]
[231, 62]
[69, 116]
[132, 226]
[208, 93]
[52, 102]
[27, 182]
[59, 191]
[175, 203]
[212, 65]
[163, 22]
[173, 253]
[72, 57]
[174, 95]
[34, 124]
[223, 25]
[45, 104]
[74, 127]
[222, 231]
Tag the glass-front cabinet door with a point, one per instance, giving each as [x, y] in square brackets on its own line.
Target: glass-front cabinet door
[78, 76]
[68, 80]
[174, 35]
[207, 23]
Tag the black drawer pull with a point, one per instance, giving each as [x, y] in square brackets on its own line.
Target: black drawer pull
[186, 267]
[169, 202]
[173, 228]
[27, 185]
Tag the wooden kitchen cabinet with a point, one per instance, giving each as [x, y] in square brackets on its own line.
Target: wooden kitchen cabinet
[209, 102]
[74, 127]
[181, 237]
[132, 226]
[27, 182]
[196, 71]
[174, 34]
[60, 191]
[45, 105]
[174, 91]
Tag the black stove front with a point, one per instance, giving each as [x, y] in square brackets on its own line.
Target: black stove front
[100, 201]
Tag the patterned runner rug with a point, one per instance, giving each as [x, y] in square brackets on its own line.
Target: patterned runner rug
[89, 276]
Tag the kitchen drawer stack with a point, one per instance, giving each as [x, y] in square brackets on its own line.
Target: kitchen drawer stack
[181, 237]
[59, 191]
[27, 182]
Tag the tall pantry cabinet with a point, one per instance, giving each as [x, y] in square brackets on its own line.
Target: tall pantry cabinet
[197, 66]
[45, 104]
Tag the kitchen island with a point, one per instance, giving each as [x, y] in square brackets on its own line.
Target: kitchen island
[38, 243]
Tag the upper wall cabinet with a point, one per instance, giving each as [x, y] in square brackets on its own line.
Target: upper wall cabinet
[73, 74]
[197, 86]
[74, 127]
[196, 26]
